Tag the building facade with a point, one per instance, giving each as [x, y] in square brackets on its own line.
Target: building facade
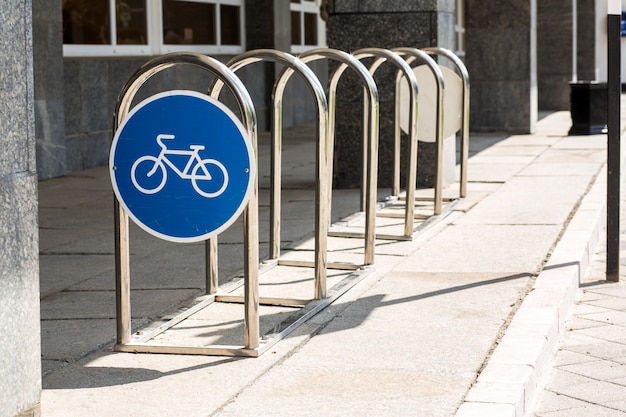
[64, 62]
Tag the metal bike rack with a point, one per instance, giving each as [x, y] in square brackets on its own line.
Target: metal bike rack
[232, 292]
[126, 343]
[323, 156]
[370, 135]
[322, 295]
[465, 109]
[413, 54]
[382, 55]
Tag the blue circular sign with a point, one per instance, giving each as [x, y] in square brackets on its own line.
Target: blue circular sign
[182, 166]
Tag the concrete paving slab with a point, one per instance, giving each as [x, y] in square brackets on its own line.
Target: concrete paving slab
[599, 370]
[484, 248]
[576, 156]
[61, 272]
[594, 392]
[60, 241]
[482, 141]
[604, 350]
[503, 160]
[610, 332]
[498, 173]
[530, 140]
[582, 142]
[506, 149]
[101, 304]
[79, 336]
[108, 383]
[529, 200]
[368, 328]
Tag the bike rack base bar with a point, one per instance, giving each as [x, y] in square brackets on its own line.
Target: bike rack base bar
[429, 221]
[141, 341]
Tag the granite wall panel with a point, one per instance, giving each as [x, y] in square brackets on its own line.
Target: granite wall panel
[586, 40]
[390, 6]
[501, 106]
[379, 24]
[501, 59]
[15, 89]
[49, 88]
[20, 350]
[554, 53]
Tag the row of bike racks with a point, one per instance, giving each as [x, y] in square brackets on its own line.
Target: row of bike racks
[254, 344]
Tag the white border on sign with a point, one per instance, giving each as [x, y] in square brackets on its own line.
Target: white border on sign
[251, 157]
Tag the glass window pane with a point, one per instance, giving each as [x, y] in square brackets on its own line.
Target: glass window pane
[187, 22]
[86, 22]
[229, 20]
[131, 22]
[296, 36]
[310, 29]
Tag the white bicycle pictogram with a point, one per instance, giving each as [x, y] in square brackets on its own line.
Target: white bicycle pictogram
[196, 170]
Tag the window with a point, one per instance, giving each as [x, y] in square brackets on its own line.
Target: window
[308, 30]
[151, 27]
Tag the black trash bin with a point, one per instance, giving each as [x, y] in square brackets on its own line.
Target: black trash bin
[588, 107]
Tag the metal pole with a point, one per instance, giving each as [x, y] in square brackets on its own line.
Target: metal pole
[122, 273]
[574, 41]
[614, 152]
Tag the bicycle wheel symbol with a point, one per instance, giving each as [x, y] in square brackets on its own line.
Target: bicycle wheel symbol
[206, 175]
[148, 174]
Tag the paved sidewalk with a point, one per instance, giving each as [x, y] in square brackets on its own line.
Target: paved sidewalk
[461, 321]
[588, 377]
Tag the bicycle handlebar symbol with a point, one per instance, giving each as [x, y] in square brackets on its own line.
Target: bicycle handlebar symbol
[146, 167]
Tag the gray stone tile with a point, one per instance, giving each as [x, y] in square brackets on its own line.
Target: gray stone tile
[101, 304]
[566, 357]
[601, 349]
[551, 402]
[595, 392]
[598, 370]
[79, 338]
[59, 272]
[608, 317]
[612, 333]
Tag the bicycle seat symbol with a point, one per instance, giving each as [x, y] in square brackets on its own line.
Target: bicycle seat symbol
[149, 173]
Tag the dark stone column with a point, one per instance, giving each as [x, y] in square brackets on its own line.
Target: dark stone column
[49, 88]
[385, 24]
[586, 40]
[501, 59]
[20, 351]
[554, 53]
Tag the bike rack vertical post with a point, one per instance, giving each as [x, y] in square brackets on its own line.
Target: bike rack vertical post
[381, 56]
[323, 157]
[122, 247]
[370, 131]
[464, 74]
[413, 54]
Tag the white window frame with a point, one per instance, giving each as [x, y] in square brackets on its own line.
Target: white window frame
[155, 45]
[309, 7]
